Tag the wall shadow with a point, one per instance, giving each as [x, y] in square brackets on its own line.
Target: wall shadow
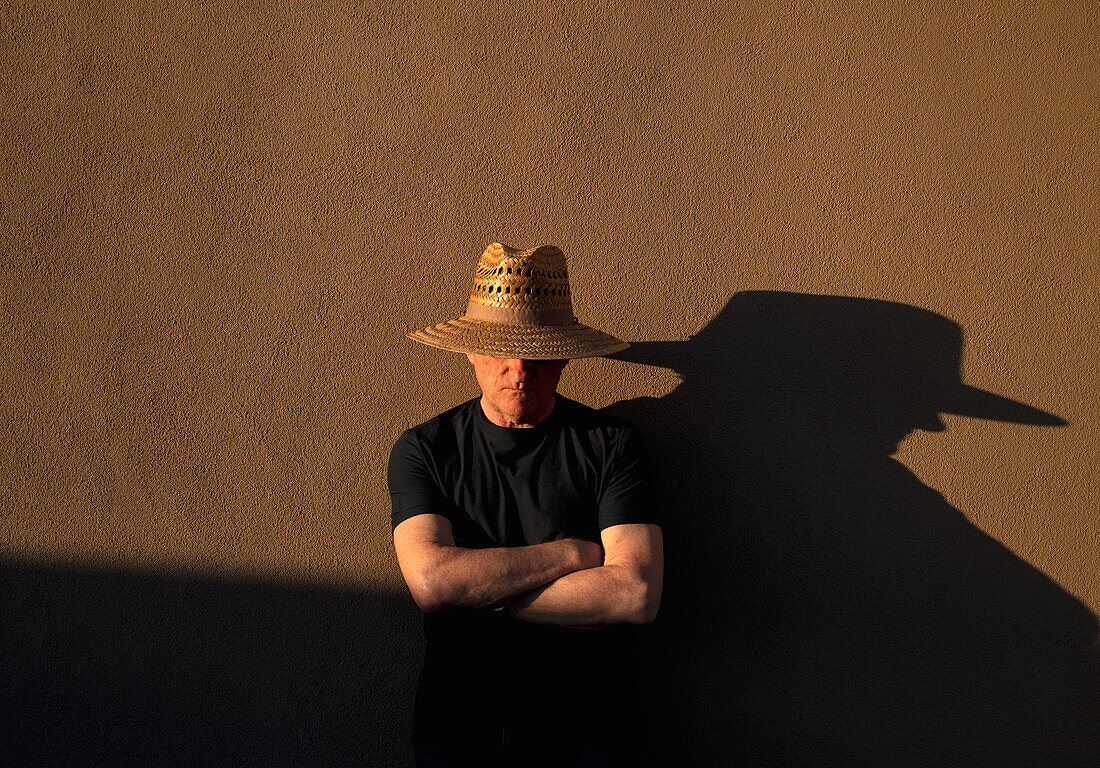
[116, 669]
[823, 606]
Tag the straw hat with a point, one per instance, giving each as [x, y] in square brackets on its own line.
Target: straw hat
[520, 307]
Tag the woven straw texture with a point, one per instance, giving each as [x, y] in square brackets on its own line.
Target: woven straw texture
[520, 307]
[515, 279]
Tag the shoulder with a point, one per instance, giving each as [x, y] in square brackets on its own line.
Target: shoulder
[579, 415]
[437, 436]
[613, 433]
[450, 422]
[422, 451]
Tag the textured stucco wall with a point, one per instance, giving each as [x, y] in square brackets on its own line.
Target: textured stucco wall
[217, 221]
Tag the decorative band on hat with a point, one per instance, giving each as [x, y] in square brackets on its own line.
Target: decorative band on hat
[529, 315]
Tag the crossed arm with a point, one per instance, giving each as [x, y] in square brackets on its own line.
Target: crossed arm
[570, 582]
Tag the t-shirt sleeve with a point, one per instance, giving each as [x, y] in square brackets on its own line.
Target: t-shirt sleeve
[413, 487]
[628, 493]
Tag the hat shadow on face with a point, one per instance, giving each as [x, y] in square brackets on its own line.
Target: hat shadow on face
[822, 605]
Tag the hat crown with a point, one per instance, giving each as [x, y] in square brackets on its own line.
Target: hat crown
[533, 281]
[520, 307]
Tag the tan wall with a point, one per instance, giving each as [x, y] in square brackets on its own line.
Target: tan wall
[216, 225]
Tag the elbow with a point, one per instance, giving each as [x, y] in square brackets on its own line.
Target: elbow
[427, 603]
[429, 573]
[645, 603]
[429, 594]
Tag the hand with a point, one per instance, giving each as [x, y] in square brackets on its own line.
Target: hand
[590, 554]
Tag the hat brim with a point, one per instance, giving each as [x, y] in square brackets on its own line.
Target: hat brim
[955, 398]
[970, 401]
[522, 342]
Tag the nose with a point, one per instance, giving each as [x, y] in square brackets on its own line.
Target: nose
[523, 370]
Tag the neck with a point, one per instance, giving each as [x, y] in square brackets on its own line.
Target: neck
[524, 421]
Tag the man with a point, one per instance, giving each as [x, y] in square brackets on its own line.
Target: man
[522, 518]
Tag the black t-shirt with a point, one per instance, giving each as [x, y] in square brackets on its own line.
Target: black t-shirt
[575, 474]
[578, 472]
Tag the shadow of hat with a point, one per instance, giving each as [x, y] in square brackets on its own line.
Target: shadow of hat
[769, 341]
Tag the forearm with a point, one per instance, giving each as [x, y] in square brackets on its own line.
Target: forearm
[450, 576]
[597, 597]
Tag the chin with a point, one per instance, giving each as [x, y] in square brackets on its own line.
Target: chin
[518, 405]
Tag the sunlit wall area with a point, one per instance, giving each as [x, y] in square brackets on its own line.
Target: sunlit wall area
[866, 238]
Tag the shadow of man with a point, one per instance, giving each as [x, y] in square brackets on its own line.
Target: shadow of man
[822, 605]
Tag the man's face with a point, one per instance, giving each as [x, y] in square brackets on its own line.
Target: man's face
[517, 393]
